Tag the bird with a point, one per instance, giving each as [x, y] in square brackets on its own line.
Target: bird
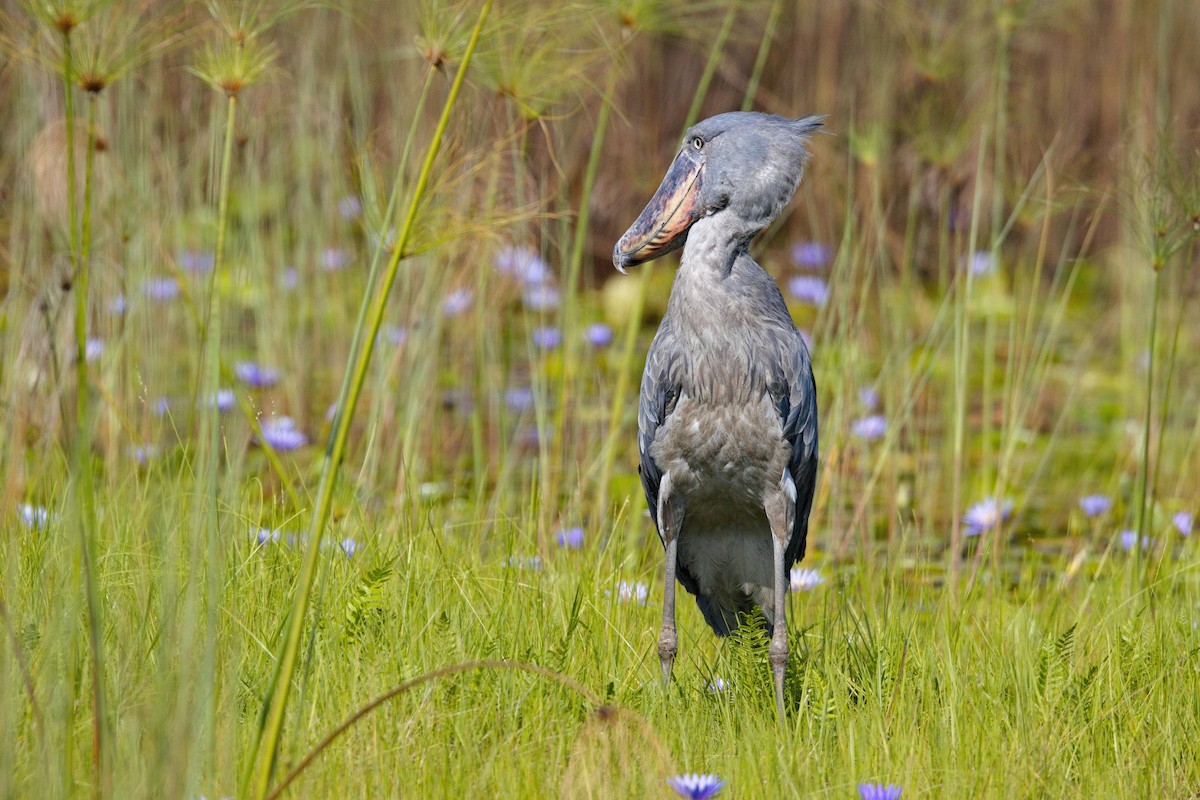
[727, 415]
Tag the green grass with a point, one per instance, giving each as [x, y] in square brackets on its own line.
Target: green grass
[1037, 690]
[1040, 659]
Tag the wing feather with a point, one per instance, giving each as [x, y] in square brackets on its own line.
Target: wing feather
[796, 393]
[660, 392]
[657, 401]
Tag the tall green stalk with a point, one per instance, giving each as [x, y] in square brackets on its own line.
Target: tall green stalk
[68, 65]
[83, 507]
[257, 779]
[208, 516]
[377, 255]
[710, 66]
[962, 349]
[1148, 421]
[83, 411]
[760, 59]
[81, 254]
[211, 335]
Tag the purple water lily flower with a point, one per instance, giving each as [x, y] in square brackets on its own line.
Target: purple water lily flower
[981, 263]
[636, 591]
[809, 289]
[570, 538]
[802, 579]
[395, 335]
[160, 289]
[522, 263]
[265, 535]
[282, 434]
[334, 259]
[350, 207]
[1094, 505]
[986, 515]
[598, 335]
[541, 297]
[532, 436]
[33, 517]
[224, 400]
[1128, 540]
[255, 376]
[518, 398]
[197, 261]
[385, 241]
[548, 338]
[877, 791]
[869, 428]
[811, 255]
[457, 302]
[695, 786]
[524, 562]
[144, 453]
[290, 278]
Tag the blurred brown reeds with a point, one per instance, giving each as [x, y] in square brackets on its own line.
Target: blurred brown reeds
[47, 168]
[43, 381]
[905, 84]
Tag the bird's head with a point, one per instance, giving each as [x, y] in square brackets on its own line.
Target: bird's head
[744, 164]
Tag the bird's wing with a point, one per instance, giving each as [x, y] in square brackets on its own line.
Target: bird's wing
[795, 392]
[660, 392]
[658, 398]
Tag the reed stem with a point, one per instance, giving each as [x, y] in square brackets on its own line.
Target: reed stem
[1148, 421]
[760, 58]
[710, 66]
[83, 507]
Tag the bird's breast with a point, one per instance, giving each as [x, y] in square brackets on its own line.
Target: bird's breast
[724, 453]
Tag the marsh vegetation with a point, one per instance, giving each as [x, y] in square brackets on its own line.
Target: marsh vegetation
[318, 387]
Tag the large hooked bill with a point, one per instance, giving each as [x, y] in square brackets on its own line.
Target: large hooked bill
[663, 225]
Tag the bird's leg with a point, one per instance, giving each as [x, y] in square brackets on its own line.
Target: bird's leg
[668, 522]
[780, 508]
[778, 652]
[668, 639]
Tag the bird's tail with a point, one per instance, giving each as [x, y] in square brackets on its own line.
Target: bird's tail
[721, 619]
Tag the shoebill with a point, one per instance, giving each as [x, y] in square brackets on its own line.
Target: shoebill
[727, 422]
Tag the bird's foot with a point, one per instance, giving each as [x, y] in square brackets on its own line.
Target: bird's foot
[668, 645]
[778, 655]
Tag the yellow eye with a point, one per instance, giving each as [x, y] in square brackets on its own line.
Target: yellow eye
[697, 143]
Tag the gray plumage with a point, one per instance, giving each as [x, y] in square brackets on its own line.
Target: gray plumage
[727, 419]
[727, 404]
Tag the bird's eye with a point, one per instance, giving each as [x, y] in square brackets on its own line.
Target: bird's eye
[697, 143]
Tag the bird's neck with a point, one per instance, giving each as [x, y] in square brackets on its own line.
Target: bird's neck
[719, 291]
[713, 246]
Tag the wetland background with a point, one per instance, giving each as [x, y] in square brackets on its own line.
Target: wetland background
[993, 254]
